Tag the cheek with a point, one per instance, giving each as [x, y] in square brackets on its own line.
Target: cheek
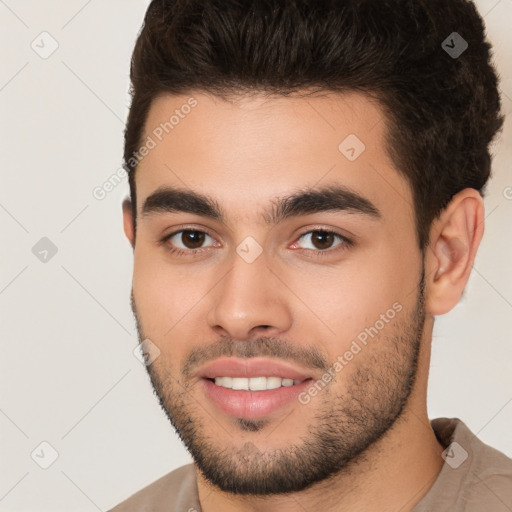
[351, 296]
[159, 292]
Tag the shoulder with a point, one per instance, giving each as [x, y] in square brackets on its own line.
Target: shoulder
[464, 446]
[475, 476]
[489, 476]
[176, 490]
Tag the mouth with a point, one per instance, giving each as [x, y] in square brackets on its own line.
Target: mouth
[252, 388]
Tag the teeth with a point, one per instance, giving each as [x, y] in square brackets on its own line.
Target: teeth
[225, 382]
[254, 383]
[241, 383]
[274, 382]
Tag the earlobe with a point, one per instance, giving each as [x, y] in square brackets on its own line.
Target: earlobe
[454, 241]
[128, 221]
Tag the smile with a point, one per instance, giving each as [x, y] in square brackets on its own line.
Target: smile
[253, 387]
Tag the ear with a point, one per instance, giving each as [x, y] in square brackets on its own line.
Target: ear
[128, 221]
[454, 241]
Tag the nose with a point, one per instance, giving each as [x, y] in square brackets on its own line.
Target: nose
[249, 301]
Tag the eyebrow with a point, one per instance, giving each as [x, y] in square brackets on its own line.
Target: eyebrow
[332, 198]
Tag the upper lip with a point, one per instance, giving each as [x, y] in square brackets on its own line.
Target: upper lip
[253, 367]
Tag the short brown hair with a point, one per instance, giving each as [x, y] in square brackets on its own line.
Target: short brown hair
[441, 111]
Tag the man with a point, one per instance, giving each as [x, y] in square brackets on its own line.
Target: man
[306, 196]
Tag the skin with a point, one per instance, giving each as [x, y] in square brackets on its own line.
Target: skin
[245, 153]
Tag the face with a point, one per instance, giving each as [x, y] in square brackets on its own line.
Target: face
[277, 271]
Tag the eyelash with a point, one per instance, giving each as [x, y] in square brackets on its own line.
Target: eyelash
[346, 243]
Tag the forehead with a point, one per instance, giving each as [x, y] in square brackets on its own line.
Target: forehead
[246, 151]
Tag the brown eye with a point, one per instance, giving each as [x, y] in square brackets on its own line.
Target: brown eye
[187, 239]
[322, 239]
[192, 239]
[322, 243]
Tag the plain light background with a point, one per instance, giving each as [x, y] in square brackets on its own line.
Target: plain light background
[68, 374]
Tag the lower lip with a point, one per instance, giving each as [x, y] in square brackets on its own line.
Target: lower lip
[252, 404]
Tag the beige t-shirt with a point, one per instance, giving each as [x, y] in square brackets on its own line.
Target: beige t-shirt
[475, 478]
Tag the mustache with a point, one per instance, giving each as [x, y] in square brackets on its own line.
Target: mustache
[266, 346]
